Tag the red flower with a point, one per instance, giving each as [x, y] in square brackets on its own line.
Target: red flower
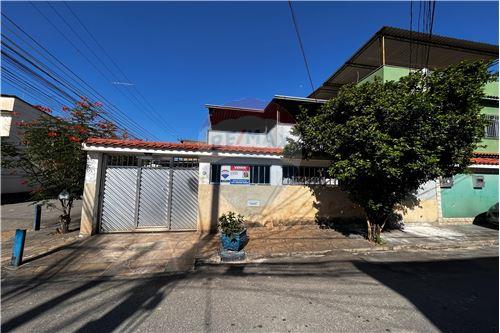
[43, 108]
[73, 138]
[97, 104]
[80, 129]
[65, 108]
[83, 104]
[52, 134]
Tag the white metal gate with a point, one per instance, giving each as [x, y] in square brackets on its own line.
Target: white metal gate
[184, 199]
[153, 205]
[143, 195]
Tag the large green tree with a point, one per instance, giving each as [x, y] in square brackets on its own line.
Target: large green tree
[385, 139]
[51, 155]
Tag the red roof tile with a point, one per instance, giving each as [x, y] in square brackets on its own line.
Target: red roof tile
[190, 146]
[485, 158]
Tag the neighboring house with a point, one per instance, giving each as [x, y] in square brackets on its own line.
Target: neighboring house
[138, 185]
[14, 111]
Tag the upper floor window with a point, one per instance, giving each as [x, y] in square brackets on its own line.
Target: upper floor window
[307, 175]
[491, 129]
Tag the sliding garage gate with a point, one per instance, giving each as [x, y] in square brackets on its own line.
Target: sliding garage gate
[146, 193]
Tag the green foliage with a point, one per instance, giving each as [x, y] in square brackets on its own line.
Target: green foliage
[51, 152]
[231, 224]
[385, 139]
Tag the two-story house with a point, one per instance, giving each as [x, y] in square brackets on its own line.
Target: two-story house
[14, 111]
[138, 185]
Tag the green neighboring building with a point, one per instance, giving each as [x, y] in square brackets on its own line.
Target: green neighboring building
[389, 55]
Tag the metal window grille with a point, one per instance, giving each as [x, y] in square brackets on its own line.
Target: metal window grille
[491, 129]
[152, 162]
[184, 162]
[259, 174]
[307, 175]
[122, 160]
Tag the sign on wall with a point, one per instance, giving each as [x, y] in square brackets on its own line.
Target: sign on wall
[235, 174]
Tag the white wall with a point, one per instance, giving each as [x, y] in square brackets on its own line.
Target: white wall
[14, 110]
[276, 137]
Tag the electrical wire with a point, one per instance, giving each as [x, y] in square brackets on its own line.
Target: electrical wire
[75, 78]
[132, 98]
[294, 20]
[119, 69]
[431, 25]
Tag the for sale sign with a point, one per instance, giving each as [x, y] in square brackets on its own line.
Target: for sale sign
[235, 174]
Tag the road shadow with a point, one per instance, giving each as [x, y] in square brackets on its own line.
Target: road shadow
[455, 295]
[134, 304]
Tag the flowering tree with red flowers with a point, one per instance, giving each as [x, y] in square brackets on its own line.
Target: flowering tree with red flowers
[51, 154]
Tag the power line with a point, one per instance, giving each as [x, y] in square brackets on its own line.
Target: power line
[411, 30]
[121, 71]
[153, 116]
[430, 31]
[65, 70]
[76, 48]
[300, 44]
[30, 72]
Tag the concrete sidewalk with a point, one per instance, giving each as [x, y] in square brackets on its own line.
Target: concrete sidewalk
[311, 241]
[49, 255]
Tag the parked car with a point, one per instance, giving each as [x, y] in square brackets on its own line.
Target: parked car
[492, 214]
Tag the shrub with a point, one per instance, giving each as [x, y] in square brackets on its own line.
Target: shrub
[231, 224]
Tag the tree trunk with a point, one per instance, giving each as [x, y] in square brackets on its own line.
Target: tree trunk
[374, 231]
[65, 217]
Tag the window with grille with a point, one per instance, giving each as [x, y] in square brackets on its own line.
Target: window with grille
[307, 175]
[491, 129]
[185, 162]
[259, 174]
[122, 160]
[152, 162]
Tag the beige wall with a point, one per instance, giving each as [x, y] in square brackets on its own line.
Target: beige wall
[277, 204]
[298, 204]
[424, 205]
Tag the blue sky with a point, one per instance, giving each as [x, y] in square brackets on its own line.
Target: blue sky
[183, 55]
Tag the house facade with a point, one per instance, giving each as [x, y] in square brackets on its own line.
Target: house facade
[13, 112]
[144, 186]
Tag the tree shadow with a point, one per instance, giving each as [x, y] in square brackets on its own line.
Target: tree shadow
[455, 295]
[136, 302]
[335, 211]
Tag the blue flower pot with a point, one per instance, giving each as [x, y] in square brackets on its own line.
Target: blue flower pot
[234, 242]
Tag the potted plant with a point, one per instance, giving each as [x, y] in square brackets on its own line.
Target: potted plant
[233, 232]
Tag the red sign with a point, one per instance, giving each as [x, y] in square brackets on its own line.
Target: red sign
[240, 168]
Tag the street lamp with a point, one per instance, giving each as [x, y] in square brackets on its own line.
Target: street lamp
[64, 197]
[66, 203]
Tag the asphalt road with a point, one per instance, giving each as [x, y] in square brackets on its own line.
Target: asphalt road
[455, 291]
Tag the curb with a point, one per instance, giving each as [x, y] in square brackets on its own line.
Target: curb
[252, 258]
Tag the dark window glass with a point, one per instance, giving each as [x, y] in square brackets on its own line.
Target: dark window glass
[215, 173]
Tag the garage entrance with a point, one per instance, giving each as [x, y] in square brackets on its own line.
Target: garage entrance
[146, 193]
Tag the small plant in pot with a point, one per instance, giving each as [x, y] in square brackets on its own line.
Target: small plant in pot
[233, 231]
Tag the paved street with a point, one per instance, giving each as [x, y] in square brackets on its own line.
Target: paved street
[424, 291]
